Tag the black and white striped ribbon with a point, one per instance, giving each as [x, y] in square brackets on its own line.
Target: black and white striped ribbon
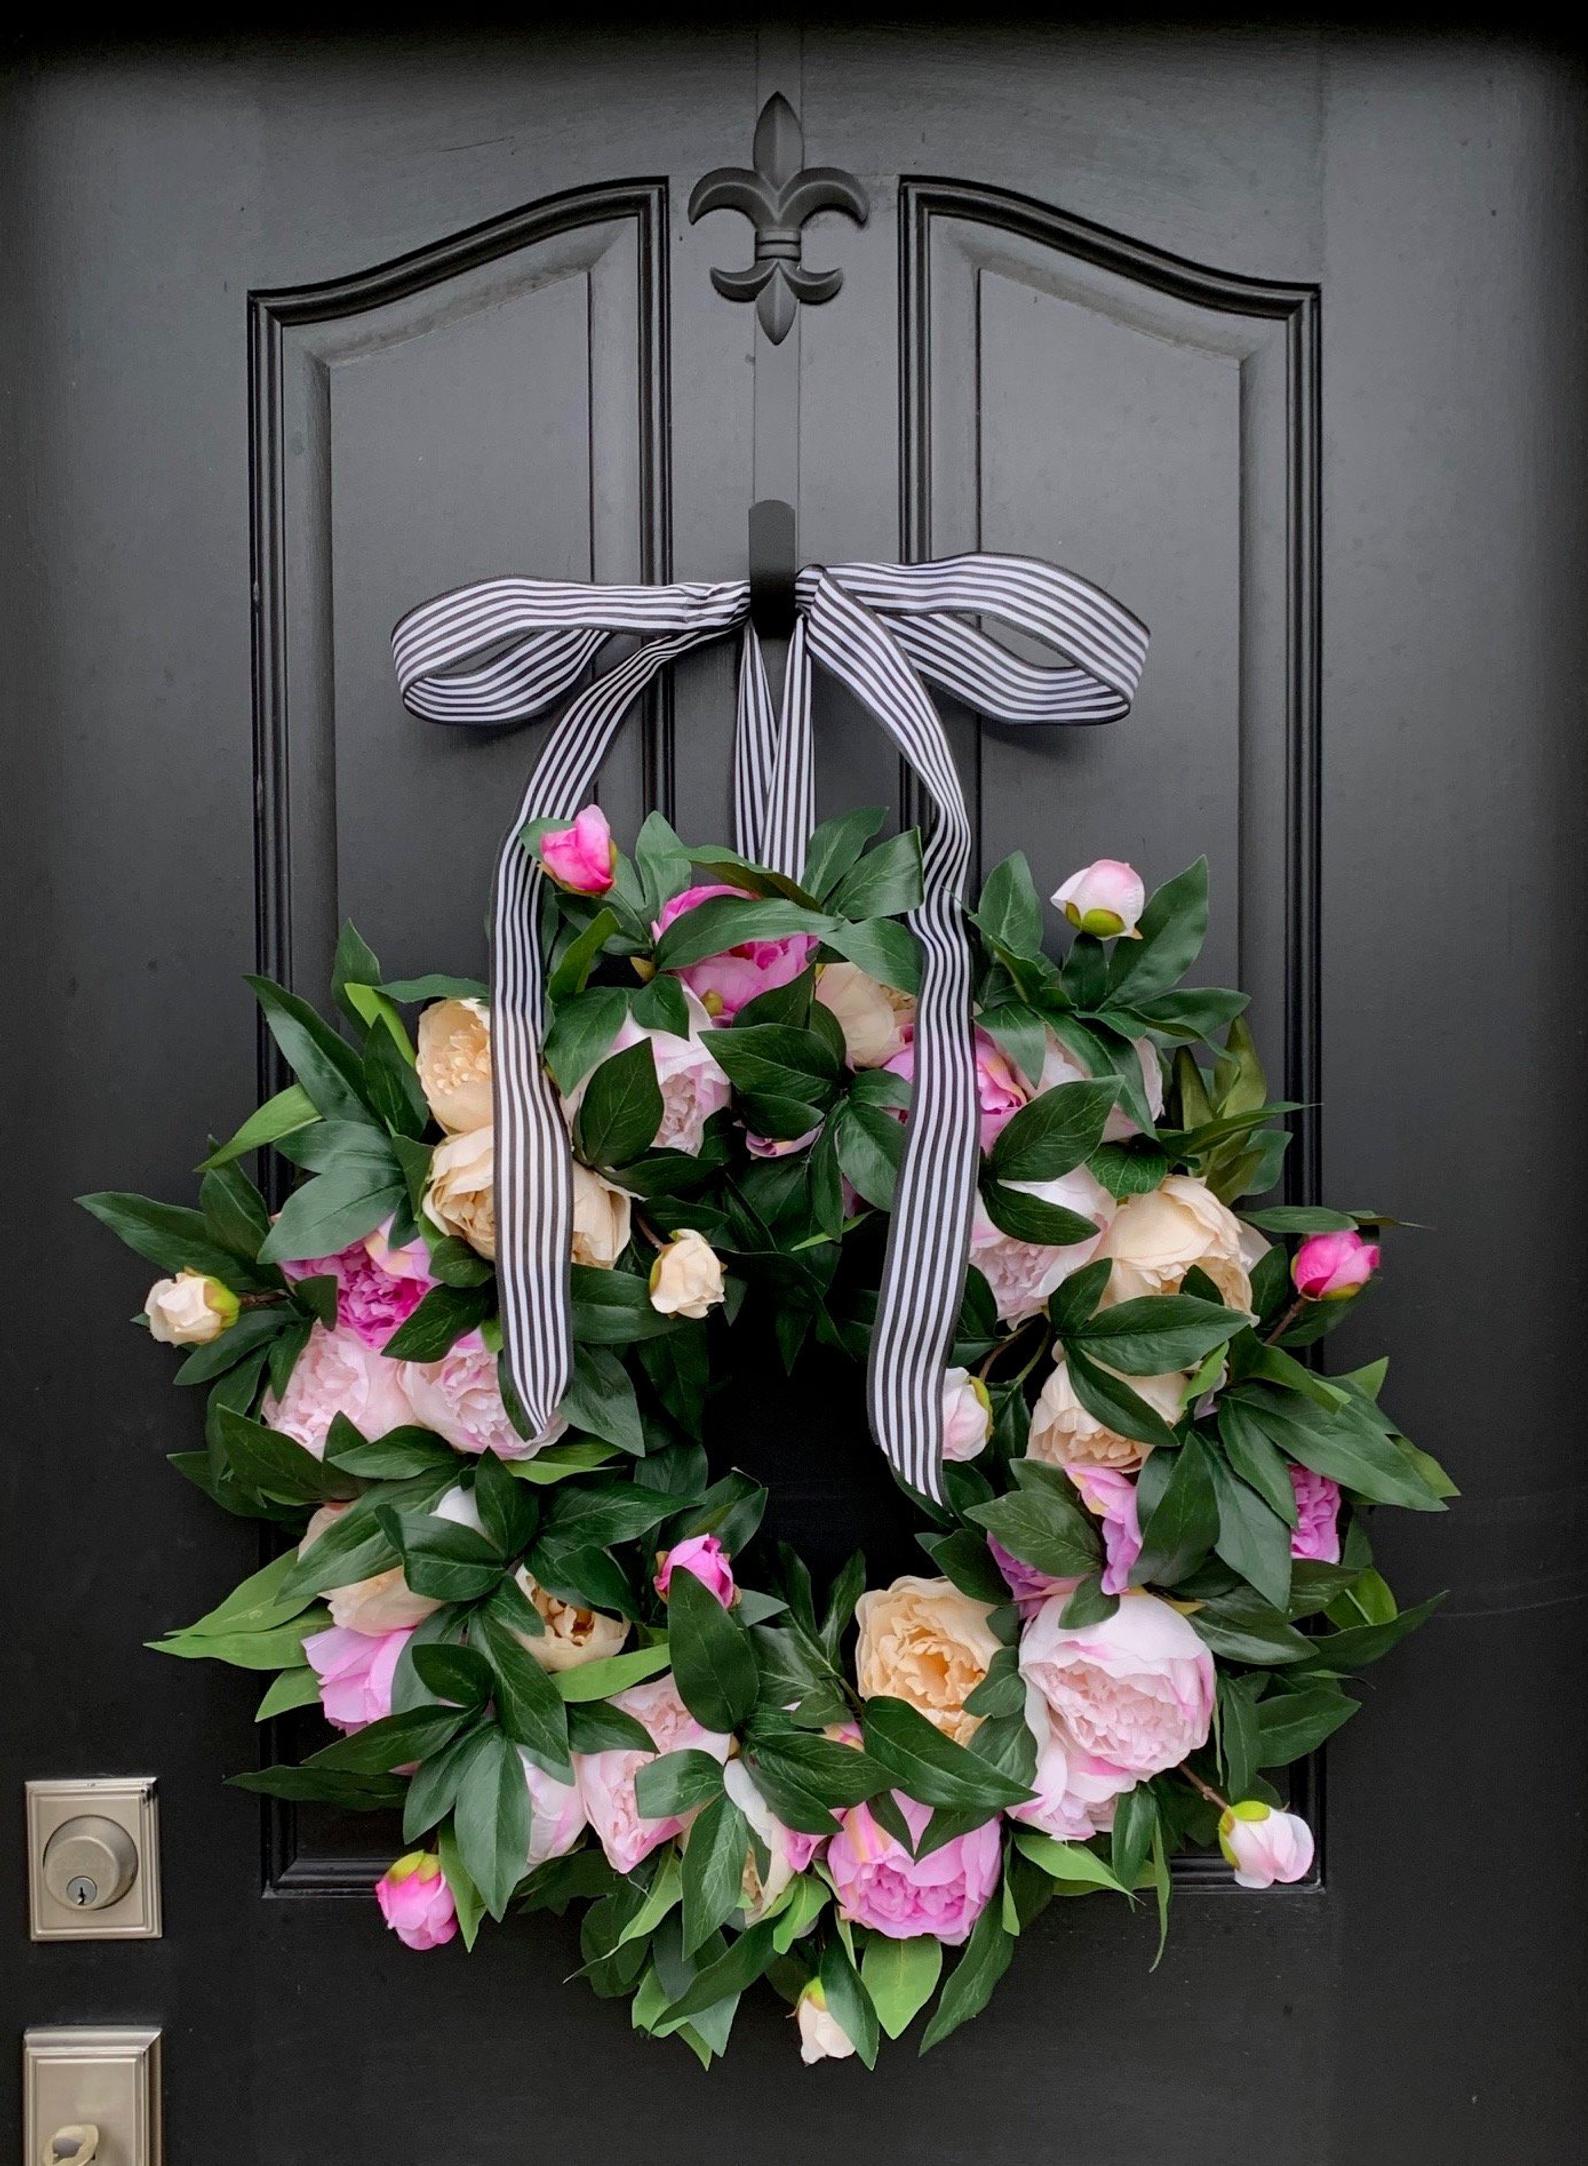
[506, 650]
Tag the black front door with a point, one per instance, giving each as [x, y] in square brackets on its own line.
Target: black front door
[1275, 336]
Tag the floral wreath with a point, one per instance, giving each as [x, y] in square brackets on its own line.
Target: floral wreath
[569, 1659]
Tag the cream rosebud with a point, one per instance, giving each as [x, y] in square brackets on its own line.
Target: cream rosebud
[602, 1216]
[822, 2036]
[454, 1063]
[1105, 898]
[923, 1641]
[967, 1414]
[686, 1278]
[460, 1198]
[1264, 1845]
[874, 1019]
[190, 1310]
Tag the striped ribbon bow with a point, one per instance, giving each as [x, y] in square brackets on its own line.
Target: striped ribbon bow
[505, 650]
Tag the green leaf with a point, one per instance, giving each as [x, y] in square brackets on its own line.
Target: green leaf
[1021, 1033]
[491, 1821]
[579, 957]
[465, 1895]
[173, 1238]
[713, 1662]
[965, 1558]
[581, 1031]
[289, 1110]
[848, 2002]
[1010, 912]
[458, 1674]
[335, 1209]
[1300, 1218]
[1258, 1462]
[987, 1956]
[433, 1789]
[745, 1960]
[253, 1330]
[607, 1511]
[279, 1648]
[1135, 1824]
[323, 1786]
[1236, 1731]
[395, 1456]
[508, 1511]
[882, 947]
[441, 1559]
[1184, 1523]
[621, 1109]
[1025, 1217]
[724, 922]
[235, 1210]
[776, 1060]
[1171, 932]
[392, 1742]
[1359, 1645]
[901, 1977]
[330, 1070]
[714, 1855]
[613, 1673]
[441, 1319]
[926, 1765]
[1158, 1332]
[1071, 1862]
[600, 1398]
[677, 1783]
[1108, 1399]
[835, 846]
[276, 1465]
[1292, 1724]
[528, 1705]
[1347, 1446]
[1088, 1605]
[1242, 1627]
[869, 1144]
[1253, 1540]
[1043, 1527]
[293, 1688]
[613, 1308]
[1054, 1133]
[884, 884]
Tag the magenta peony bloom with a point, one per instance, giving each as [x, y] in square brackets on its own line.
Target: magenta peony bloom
[1112, 1496]
[881, 1886]
[999, 1091]
[1333, 1266]
[705, 1559]
[581, 858]
[416, 1902]
[1316, 1534]
[727, 981]
[355, 1670]
[378, 1287]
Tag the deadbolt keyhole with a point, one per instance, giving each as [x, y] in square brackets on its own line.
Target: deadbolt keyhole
[82, 1891]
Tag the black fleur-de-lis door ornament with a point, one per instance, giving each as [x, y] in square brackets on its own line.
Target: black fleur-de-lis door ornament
[778, 197]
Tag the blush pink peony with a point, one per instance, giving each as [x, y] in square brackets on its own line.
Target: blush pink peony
[338, 1373]
[1022, 1274]
[416, 1902]
[693, 1087]
[1112, 1497]
[355, 1670]
[1264, 1845]
[606, 1779]
[882, 1887]
[725, 983]
[999, 1091]
[1135, 1691]
[1075, 1791]
[460, 1399]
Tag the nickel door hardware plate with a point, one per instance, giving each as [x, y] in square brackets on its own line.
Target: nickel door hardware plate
[108, 2079]
[94, 1859]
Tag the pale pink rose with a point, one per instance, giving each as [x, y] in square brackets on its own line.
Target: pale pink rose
[1075, 1792]
[378, 1287]
[355, 1670]
[1061, 1065]
[703, 1557]
[1135, 1691]
[581, 858]
[1333, 1266]
[1264, 1845]
[338, 1373]
[606, 1779]
[693, 1087]
[1112, 1496]
[726, 982]
[999, 1091]
[416, 1902]
[1028, 1586]
[460, 1399]
[882, 1887]
[1106, 898]
[557, 1815]
[967, 1414]
[1022, 1274]
[1316, 1534]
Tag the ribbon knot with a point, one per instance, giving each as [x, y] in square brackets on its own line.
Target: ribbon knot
[508, 649]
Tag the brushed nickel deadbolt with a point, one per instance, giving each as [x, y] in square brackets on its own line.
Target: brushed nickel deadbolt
[94, 1859]
[90, 1862]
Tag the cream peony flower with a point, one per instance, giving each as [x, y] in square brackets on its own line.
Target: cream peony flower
[572, 1635]
[1063, 1434]
[382, 1603]
[454, 1063]
[601, 1217]
[923, 1641]
[686, 1278]
[189, 1310]
[460, 1198]
[872, 1016]
[1156, 1239]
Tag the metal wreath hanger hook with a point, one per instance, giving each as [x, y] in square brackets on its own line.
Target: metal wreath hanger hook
[774, 567]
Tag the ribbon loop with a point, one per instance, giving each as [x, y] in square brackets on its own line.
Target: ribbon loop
[507, 650]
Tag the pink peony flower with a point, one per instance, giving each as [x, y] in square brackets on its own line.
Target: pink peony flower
[703, 1557]
[606, 1779]
[777, 1147]
[727, 981]
[1135, 1691]
[1112, 1496]
[338, 1373]
[460, 1399]
[1060, 1065]
[1333, 1266]
[416, 1902]
[693, 1087]
[881, 1886]
[1022, 1274]
[1264, 1845]
[581, 858]
[1075, 1791]
[1105, 898]
[967, 1414]
[355, 1670]
[557, 1814]
[1026, 1583]
[378, 1287]
[1316, 1534]
[999, 1091]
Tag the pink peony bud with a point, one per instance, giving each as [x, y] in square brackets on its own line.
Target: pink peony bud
[1333, 1266]
[581, 858]
[1264, 1845]
[416, 1902]
[967, 1414]
[703, 1557]
[1106, 898]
